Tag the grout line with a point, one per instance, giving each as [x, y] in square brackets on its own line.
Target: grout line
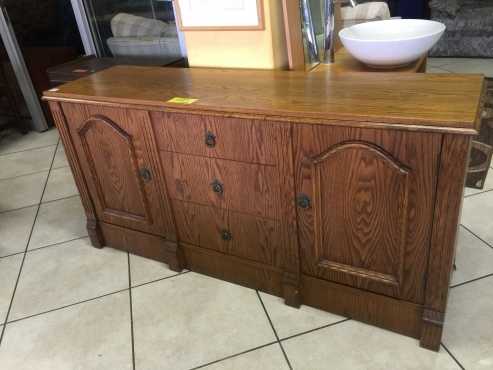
[57, 244]
[274, 329]
[11, 255]
[471, 281]
[20, 208]
[445, 69]
[66, 306]
[477, 236]
[453, 357]
[25, 249]
[23, 175]
[319, 328]
[46, 246]
[27, 150]
[64, 166]
[233, 356]
[478, 193]
[164, 278]
[89, 300]
[131, 311]
[37, 204]
[55, 200]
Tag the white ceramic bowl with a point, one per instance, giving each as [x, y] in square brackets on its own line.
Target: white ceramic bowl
[391, 43]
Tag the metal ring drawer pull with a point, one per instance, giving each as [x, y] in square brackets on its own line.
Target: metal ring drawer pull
[145, 174]
[210, 139]
[226, 235]
[304, 201]
[217, 187]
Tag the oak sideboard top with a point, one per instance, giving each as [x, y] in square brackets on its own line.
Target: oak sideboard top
[435, 102]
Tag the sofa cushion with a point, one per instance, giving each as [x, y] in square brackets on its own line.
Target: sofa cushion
[145, 47]
[129, 25]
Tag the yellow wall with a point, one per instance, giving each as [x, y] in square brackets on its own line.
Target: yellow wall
[264, 49]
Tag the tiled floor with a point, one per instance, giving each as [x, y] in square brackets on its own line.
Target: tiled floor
[461, 65]
[65, 305]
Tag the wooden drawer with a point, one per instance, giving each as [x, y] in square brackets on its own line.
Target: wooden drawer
[235, 186]
[238, 139]
[233, 233]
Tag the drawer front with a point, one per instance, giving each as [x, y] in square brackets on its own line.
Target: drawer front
[217, 137]
[233, 233]
[236, 186]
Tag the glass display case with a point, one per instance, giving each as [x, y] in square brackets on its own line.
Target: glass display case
[142, 30]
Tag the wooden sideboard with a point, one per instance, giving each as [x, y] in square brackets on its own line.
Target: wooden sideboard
[338, 191]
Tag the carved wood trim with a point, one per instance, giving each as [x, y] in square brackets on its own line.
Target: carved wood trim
[433, 317]
[167, 212]
[359, 272]
[448, 204]
[361, 145]
[93, 228]
[82, 131]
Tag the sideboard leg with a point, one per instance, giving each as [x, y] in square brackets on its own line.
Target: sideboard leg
[175, 257]
[95, 234]
[431, 332]
[291, 290]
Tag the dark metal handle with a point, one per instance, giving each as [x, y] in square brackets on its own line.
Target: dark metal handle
[145, 174]
[226, 235]
[304, 201]
[217, 187]
[210, 139]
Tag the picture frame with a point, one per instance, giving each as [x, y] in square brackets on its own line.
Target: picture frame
[228, 15]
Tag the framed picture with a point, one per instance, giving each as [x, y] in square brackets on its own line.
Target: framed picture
[220, 15]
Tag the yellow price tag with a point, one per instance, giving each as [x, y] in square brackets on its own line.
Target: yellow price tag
[178, 100]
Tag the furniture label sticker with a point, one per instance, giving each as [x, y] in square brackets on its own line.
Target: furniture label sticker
[179, 100]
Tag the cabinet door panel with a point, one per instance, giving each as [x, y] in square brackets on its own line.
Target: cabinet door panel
[371, 198]
[118, 168]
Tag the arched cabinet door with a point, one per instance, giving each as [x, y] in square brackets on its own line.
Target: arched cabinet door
[118, 167]
[365, 205]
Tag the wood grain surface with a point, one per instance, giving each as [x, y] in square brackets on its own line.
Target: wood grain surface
[250, 237]
[443, 101]
[243, 140]
[372, 198]
[112, 152]
[248, 188]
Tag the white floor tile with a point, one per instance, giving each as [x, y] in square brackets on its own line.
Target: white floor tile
[477, 215]
[57, 276]
[438, 62]
[470, 65]
[190, 320]
[431, 69]
[22, 191]
[144, 270]
[474, 258]
[61, 184]
[27, 162]
[355, 346]
[290, 321]
[9, 270]
[266, 358]
[91, 336]
[59, 221]
[60, 157]
[15, 228]
[16, 142]
[468, 331]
